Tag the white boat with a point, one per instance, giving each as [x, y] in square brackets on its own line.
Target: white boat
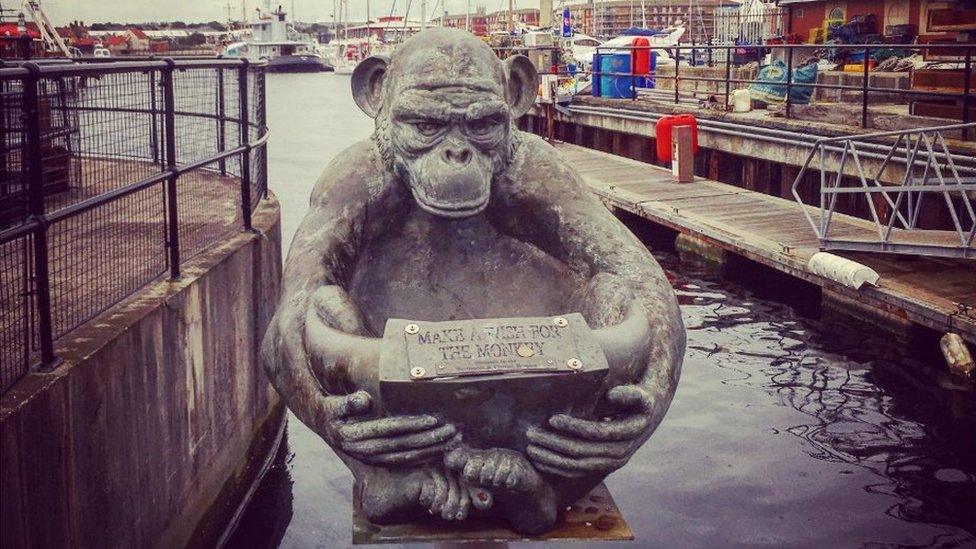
[345, 54]
[664, 39]
[582, 47]
[275, 41]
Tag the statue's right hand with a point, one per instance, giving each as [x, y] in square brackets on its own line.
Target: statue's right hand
[388, 441]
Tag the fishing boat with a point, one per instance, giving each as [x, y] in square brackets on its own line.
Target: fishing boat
[284, 48]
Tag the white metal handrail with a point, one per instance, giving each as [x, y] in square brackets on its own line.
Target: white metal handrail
[929, 168]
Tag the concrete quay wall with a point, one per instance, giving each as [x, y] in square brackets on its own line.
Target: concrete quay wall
[155, 423]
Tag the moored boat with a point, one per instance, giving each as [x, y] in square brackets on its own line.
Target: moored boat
[284, 48]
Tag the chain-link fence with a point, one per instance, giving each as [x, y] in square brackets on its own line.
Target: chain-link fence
[112, 175]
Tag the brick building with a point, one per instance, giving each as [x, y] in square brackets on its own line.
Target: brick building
[609, 18]
[807, 16]
[498, 21]
[478, 21]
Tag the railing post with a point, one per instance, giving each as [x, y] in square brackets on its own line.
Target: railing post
[633, 66]
[259, 76]
[677, 62]
[864, 89]
[789, 76]
[967, 90]
[153, 126]
[221, 135]
[728, 74]
[245, 141]
[172, 209]
[709, 51]
[35, 190]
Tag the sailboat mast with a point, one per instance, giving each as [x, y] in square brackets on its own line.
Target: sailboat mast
[511, 16]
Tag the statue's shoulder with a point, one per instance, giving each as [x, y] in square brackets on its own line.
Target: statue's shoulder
[533, 154]
[359, 160]
[357, 169]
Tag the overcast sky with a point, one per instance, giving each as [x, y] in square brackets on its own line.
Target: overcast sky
[93, 11]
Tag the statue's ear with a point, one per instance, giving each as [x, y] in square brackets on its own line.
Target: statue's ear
[520, 85]
[367, 83]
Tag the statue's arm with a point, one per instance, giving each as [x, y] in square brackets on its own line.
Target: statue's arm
[322, 251]
[316, 350]
[628, 300]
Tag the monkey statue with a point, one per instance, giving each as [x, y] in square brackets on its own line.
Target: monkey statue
[450, 212]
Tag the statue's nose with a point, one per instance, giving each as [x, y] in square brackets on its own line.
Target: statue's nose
[457, 155]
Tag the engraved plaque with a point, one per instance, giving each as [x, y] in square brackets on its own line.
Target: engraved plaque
[491, 377]
[495, 346]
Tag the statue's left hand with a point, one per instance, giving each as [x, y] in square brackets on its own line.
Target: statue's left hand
[574, 447]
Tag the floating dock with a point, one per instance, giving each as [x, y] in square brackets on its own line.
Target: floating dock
[937, 293]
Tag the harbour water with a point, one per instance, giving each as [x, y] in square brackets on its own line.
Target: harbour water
[788, 428]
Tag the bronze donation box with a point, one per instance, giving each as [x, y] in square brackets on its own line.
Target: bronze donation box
[491, 378]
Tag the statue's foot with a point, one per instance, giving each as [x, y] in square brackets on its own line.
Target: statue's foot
[500, 470]
[443, 494]
[519, 492]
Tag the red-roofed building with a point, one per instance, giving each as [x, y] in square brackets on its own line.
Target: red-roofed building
[10, 30]
[138, 40]
[86, 45]
[116, 44]
[11, 46]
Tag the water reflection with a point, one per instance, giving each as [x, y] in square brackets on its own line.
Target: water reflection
[866, 403]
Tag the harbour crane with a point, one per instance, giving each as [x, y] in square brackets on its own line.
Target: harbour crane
[52, 41]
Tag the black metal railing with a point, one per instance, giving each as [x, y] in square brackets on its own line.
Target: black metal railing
[701, 55]
[113, 174]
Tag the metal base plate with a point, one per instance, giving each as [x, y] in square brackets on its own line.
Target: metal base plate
[594, 517]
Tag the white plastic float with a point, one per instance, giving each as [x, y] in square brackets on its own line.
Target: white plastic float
[842, 270]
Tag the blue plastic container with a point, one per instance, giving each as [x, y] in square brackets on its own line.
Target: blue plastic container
[611, 85]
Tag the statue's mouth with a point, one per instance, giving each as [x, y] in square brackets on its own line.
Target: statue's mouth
[453, 208]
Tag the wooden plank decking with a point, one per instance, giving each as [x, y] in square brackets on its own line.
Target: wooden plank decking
[773, 231]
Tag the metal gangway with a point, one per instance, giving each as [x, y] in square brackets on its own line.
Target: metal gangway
[928, 171]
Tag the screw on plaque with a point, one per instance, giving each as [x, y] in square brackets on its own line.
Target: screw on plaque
[560, 321]
[524, 351]
[574, 364]
[418, 371]
[411, 328]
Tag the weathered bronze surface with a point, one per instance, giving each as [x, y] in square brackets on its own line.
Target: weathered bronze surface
[595, 518]
[452, 220]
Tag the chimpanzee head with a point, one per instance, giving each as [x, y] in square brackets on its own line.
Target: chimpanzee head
[444, 105]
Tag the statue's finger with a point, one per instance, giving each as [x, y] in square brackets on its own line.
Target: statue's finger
[514, 475]
[386, 427]
[349, 405]
[427, 490]
[472, 469]
[576, 447]
[372, 446]
[464, 503]
[502, 470]
[584, 465]
[407, 457]
[622, 429]
[457, 458]
[452, 504]
[440, 493]
[544, 468]
[488, 470]
[629, 396]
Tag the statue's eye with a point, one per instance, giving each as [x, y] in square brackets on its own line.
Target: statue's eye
[483, 125]
[428, 127]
